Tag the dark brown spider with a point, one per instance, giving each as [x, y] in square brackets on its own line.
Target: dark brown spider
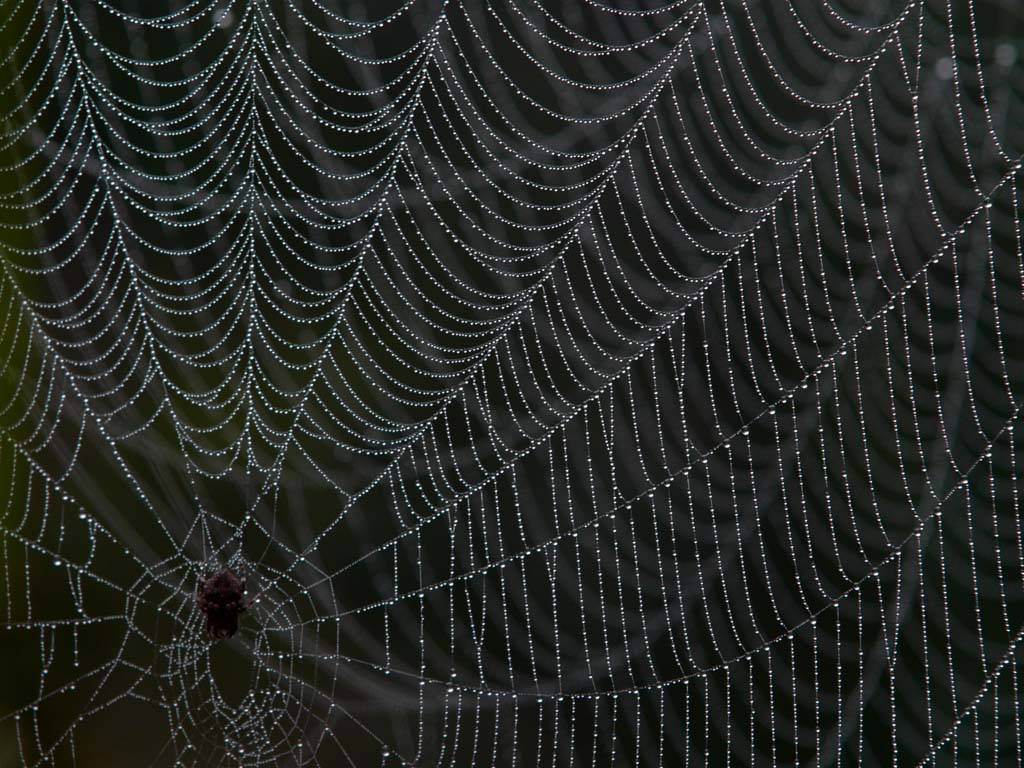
[221, 598]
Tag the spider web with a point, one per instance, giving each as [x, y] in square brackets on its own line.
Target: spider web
[577, 383]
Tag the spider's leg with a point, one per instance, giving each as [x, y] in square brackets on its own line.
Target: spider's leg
[252, 600]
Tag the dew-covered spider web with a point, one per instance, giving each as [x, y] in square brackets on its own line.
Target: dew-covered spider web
[576, 383]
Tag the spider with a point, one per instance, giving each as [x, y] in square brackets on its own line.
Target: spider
[221, 598]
